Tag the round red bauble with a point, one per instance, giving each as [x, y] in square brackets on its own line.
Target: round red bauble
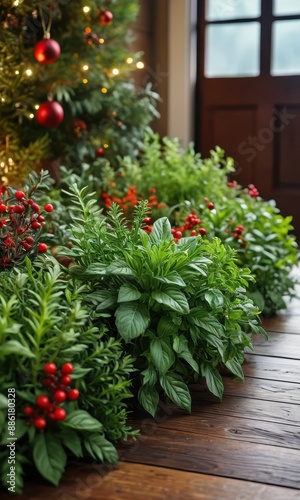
[46, 51]
[50, 114]
[67, 369]
[105, 17]
[100, 152]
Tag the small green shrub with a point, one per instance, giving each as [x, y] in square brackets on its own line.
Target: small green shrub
[181, 309]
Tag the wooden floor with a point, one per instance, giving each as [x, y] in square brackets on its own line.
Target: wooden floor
[247, 447]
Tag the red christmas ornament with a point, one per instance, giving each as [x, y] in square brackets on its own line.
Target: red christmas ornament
[50, 114]
[46, 51]
[105, 17]
[100, 152]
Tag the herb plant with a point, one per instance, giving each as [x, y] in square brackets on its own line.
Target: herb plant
[181, 308]
[68, 377]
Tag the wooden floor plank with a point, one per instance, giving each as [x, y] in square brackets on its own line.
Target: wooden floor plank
[255, 409]
[265, 367]
[143, 482]
[283, 323]
[281, 345]
[235, 459]
[225, 427]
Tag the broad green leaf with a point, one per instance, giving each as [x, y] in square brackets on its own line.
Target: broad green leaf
[161, 231]
[181, 346]
[49, 457]
[132, 320]
[82, 421]
[72, 441]
[95, 270]
[120, 268]
[162, 354]
[206, 321]
[166, 326]
[257, 298]
[104, 299]
[173, 278]
[235, 367]
[176, 390]
[100, 449]
[15, 347]
[149, 375]
[149, 398]
[213, 379]
[127, 293]
[215, 298]
[172, 298]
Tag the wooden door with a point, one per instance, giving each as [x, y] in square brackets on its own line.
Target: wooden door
[249, 93]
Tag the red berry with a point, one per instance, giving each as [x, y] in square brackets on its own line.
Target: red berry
[35, 207]
[50, 368]
[178, 234]
[40, 218]
[211, 206]
[59, 414]
[202, 231]
[40, 423]
[42, 402]
[30, 201]
[206, 199]
[59, 396]
[18, 209]
[42, 247]
[48, 207]
[27, 247]
[67, 369]
[19, 195]
[28, 411]
[29, 240]
[47, 382]
[2, 208]
[193, 233]
[147, 220]
[100, 152]
[35, 224]
[73, 394]
[66, 380]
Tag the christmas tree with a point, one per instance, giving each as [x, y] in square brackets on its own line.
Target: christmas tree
[65, 91]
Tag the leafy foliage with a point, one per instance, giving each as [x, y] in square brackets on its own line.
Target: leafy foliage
[43, 320]
[184, 182]
[181, 309]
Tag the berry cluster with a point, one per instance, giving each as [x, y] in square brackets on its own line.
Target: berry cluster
[191, 223]
[253, 191]
[58, 383]
[20, 222]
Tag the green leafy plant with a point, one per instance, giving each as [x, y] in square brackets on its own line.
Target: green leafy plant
[180, 308]
[68, 378]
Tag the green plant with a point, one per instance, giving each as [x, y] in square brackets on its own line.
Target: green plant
[180, 308]
[63, 380]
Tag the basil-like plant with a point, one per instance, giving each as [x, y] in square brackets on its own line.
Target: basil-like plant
[180, 308]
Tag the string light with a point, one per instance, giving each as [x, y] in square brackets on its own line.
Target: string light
[28, 72]
[31, 116]
[85, 67]
[2, 99]
[105, 146]
[17, 72]
[2, 164]
[88, 29]
[140, 65]
[103, 90]
[16, 3]
[85, 80]
[115, 71]
[36, 106]
[101, 40]
[129, 60]
[86, 9]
